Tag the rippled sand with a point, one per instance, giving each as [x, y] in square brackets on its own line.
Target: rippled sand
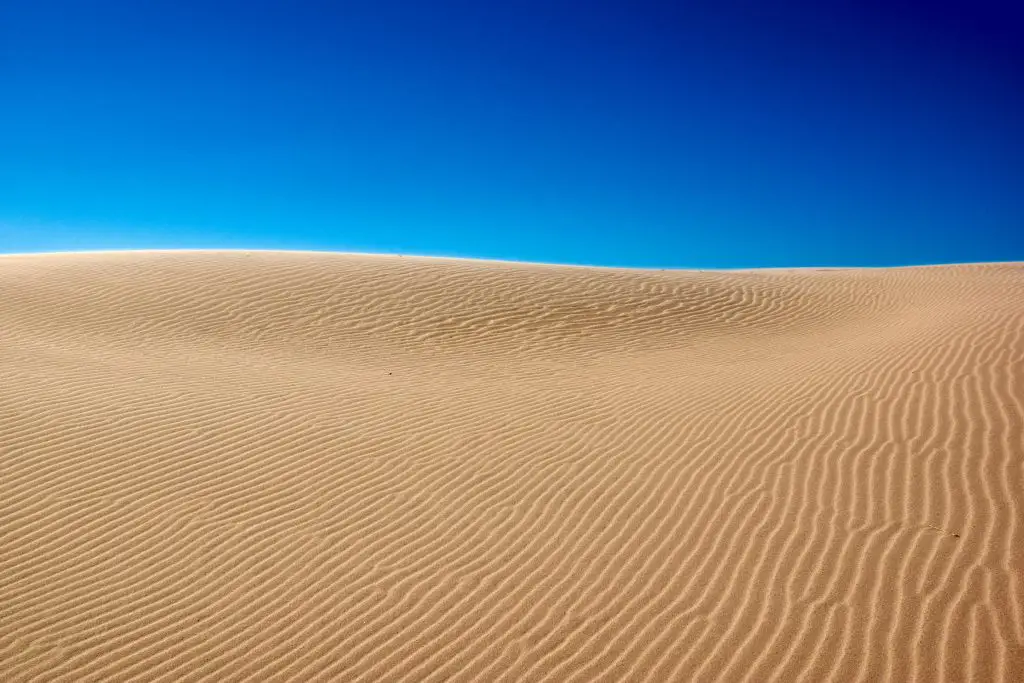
[221, 466]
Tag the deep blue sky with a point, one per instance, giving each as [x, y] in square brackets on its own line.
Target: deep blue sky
[693, 134]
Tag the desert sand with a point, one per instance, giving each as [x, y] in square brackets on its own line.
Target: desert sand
[274, 466]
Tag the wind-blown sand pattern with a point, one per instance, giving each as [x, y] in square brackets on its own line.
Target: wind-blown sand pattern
[226, 466]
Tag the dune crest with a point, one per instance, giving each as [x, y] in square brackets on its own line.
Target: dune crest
[273, 466]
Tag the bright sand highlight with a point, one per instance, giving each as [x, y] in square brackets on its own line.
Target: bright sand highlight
[226, 466]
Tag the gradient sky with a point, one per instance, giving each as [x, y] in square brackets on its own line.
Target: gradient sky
[689, 134]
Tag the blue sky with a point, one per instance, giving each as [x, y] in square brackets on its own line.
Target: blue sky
[637, 133]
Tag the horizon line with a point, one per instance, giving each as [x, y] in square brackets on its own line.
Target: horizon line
[430, 257]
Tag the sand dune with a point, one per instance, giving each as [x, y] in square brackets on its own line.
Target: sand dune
[227, 466]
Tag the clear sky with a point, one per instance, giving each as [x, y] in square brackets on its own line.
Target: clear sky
[709, 133]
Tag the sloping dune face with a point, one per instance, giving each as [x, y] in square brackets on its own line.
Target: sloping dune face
[302, 467]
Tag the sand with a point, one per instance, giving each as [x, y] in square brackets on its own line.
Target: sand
[271, 466]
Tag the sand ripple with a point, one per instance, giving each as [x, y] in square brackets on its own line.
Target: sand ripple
[298, 467]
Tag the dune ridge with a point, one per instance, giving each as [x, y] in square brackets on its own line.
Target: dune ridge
[277, 466]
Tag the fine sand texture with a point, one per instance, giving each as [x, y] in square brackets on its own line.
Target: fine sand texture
[273, 466]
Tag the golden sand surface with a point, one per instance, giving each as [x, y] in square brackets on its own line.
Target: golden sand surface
[282, 466]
